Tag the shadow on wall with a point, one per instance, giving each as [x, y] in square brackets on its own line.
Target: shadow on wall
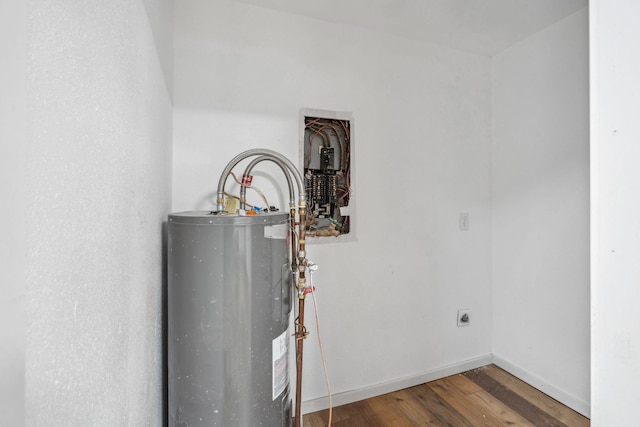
[164, 322]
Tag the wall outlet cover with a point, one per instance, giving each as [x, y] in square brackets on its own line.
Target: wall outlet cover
[464, 317]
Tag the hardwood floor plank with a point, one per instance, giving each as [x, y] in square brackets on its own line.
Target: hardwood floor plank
[495, 409]
[358, 414]
[538, 398]
[464, 384]
[465, 403]
[442, 410]
[393, 410]
[484, 397]
[314, 420]
[513, 400]
[388, 411]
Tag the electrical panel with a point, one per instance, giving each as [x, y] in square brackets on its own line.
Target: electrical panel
[327, 173]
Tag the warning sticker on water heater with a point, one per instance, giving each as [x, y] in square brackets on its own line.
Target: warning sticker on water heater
[280, 371]
[277, 231]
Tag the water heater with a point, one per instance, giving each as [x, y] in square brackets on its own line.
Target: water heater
[229, 304]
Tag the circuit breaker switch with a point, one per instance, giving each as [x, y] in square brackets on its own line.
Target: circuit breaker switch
[327, 157]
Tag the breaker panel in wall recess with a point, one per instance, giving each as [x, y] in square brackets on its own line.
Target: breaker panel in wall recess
[326, 158]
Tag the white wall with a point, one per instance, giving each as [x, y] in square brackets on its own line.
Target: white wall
[422, 125]
[13, 113]
[97, 192]
[541, 210]
[615, 209]
[97, 165]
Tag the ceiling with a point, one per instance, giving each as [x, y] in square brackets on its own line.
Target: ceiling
[480, 26]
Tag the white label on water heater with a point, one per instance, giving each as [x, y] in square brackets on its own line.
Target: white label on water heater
[278, 231]
[280, 371]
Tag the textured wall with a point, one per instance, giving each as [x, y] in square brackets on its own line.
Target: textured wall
[13, 117]
[98, 190]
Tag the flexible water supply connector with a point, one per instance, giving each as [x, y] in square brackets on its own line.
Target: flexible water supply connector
[247, 173]
[277, 157]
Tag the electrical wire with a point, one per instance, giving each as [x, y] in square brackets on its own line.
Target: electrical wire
[322, 132]
[233, 196]
[319, 125]
[322, 356]
[327, 130]
[264, 199]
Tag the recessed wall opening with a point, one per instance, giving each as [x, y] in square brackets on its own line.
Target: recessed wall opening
[327, 155]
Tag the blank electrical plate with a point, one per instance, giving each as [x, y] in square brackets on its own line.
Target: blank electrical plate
[464, 317]
[464, 221]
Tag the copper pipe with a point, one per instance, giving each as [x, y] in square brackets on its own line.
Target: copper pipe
[292, 236]
[300, 336]
[302, 218]
[301, 332]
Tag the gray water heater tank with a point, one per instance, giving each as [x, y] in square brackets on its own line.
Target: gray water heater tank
[229, 301]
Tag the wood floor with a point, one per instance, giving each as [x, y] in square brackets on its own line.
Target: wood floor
[487, 396]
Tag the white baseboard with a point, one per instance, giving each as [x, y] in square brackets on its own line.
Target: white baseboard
[578, 405]
[561, 396]
[351, 396]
